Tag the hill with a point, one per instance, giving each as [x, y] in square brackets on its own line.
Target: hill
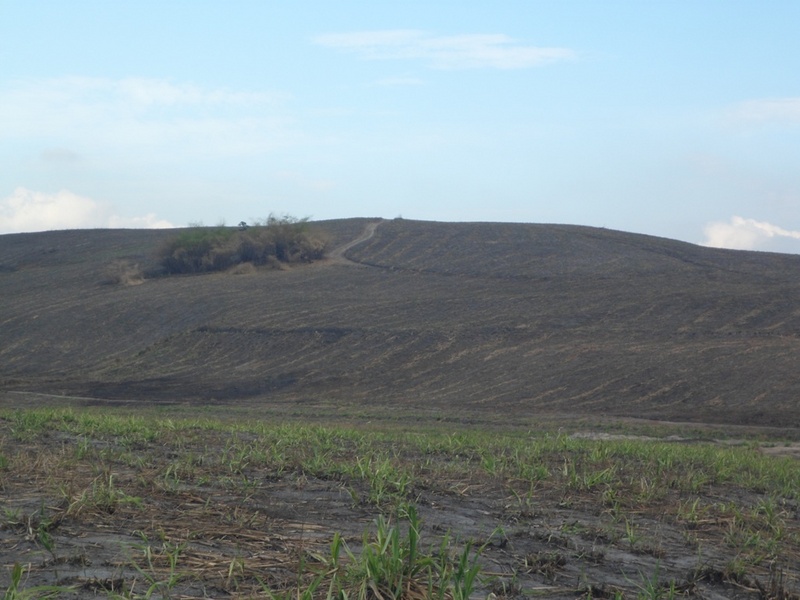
[455, 320]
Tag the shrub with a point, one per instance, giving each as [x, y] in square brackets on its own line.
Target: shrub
[274, 240]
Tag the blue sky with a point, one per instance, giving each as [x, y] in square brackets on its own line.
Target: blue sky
[678, 119]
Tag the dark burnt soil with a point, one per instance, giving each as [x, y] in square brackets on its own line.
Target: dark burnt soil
[201, 512]
[476, 318]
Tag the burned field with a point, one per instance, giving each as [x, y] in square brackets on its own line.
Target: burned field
[433, 411]
[428, 318]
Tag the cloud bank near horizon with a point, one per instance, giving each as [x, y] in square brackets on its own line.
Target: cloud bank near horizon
[27, 211]
[744, 234]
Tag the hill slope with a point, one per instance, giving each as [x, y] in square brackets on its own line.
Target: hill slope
[464, 318]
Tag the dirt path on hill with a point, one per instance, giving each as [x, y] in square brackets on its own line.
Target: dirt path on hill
[337, 255]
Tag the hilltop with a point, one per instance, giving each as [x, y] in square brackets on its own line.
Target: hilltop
[453, 320]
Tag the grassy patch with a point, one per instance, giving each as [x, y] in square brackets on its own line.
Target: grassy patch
[250, 508]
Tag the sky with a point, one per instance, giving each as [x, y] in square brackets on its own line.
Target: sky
[679, 119]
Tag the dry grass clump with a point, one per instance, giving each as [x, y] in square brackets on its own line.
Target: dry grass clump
[246, 268]
[273, 241]
[123, 272]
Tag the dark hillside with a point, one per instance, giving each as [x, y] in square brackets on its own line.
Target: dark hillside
[539, 251]
[463, 318]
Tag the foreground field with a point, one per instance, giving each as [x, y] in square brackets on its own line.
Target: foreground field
[112, 504]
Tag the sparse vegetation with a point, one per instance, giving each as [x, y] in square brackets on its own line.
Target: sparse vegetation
[389, 565]
[272, 241]
[250, 508]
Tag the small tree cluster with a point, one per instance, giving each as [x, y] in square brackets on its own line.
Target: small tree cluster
[274, 240]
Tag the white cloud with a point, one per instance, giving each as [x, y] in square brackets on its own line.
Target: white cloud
[398, 81]
[768, 110]
[473, 51]
[153, 117]
[149, 221]
[159, 92]
[27, 210]
[134, 91]
[744, 234]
